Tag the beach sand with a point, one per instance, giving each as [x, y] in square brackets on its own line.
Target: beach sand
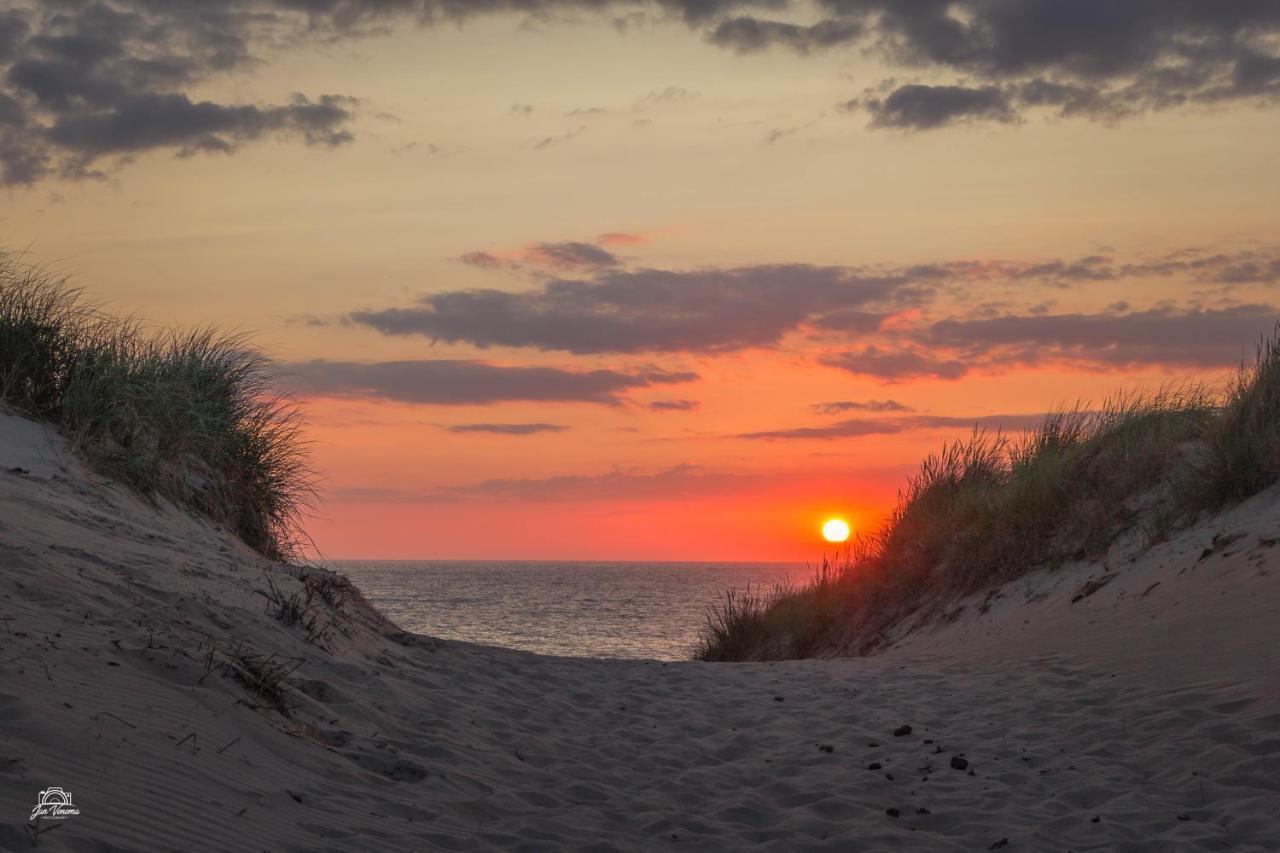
[1132, 705]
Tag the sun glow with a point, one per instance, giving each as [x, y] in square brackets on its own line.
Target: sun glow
[835, 530]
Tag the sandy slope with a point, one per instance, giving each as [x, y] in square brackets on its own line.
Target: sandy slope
[1145, 716]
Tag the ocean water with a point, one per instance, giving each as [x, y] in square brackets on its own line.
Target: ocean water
[582, 609]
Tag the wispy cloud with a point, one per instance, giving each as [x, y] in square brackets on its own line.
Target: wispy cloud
[839, 406]
[507, 429]
[459, 382]
[854, 427]
[674, 405]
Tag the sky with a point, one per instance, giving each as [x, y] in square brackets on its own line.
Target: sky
[574, 279]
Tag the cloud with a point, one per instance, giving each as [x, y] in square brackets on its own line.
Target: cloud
[674, 405]
[84, 81]
[752, 35]
[778, 133]
[838, 406]
[896, 365]
[652, 310]
[548, 141]
[1115, 338]
[1188, 337]
[566, 256]
[507, 429]
[619, 238]
[716, 310]
[665, 95]
[854, 427]
[916, 107]
[572, 255]
[138, 123]
[683, 481]
[86, 85]
[1101, 59]
[458, 382]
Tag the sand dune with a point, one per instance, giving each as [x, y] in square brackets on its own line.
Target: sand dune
[1132, 705]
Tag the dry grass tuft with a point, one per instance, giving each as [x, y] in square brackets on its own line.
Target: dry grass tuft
[991, 508]
[187, 415]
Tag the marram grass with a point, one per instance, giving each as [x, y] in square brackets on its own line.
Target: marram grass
[991, 508]
[185, 415]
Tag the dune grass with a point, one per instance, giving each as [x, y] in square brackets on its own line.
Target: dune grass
[186, 415]
[985, 510]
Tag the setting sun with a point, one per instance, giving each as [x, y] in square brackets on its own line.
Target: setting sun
[835, 530]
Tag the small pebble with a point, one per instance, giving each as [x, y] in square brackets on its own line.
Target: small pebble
[902, 731]
[892, 812]
[959, 763]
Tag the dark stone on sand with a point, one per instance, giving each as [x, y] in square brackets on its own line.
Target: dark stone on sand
[892, 812]
[779, 698]
[1184, 817]
[873, 744]
[902, 731]
[923, 810]
[1096, 819]
[875, 765]
[826, 747]
[1003, 842]
[959, 763]
[889, 776]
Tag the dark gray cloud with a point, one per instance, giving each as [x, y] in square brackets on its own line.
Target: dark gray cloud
[854, 427]
[1190, 337]
[91, 82]
[917, 107]
[172, 121]
[714, 310]
[1103, 59]
[457, 382]
[652, 310]
[750, 35]
[87, 82]
[1115, 338]
[507, 429]
[897, 365]
[84, 84]
[839, 406]
[674, 405]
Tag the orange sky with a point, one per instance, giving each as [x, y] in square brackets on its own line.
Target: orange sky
[583, 284]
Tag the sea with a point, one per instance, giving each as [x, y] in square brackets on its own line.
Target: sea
[578, 609]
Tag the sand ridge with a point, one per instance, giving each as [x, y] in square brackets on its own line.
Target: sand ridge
[1141, 716]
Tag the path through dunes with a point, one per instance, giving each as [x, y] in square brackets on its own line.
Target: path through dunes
[139, 646]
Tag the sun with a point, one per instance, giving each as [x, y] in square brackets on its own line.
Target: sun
[835, 530]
